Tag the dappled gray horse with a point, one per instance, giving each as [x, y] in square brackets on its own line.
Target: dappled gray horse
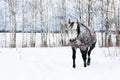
[81, 37]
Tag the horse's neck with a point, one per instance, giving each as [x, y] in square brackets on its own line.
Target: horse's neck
[87, 28]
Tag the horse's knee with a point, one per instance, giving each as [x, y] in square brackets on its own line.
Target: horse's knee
[84, 53]
[91, 48]
[74, 56]
[74, 53]
[84, 56]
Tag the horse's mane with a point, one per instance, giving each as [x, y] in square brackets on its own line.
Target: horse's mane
[85, 27]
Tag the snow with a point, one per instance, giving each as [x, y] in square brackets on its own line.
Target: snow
[52, 40]
[56, 64]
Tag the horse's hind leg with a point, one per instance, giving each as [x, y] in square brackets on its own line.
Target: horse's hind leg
[74, 56]
[89, 52]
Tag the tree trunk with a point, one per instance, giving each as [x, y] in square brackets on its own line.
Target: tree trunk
[116, 24]
[13, 22]
[89, 14]
[23, 24]
[5, 25]
[102, 25]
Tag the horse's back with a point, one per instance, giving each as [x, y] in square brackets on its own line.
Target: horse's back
[87, 36]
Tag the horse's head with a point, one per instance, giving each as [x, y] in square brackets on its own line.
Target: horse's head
[73, 30]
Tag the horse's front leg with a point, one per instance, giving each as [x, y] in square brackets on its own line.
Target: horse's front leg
[74, 56]
[84, 56]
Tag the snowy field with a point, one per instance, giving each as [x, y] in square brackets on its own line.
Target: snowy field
[56, 64]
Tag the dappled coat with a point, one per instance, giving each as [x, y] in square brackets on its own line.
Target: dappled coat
[84, 37]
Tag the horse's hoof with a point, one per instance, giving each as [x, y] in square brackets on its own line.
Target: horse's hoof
[85, 65]
[74, 66]
[88, 64]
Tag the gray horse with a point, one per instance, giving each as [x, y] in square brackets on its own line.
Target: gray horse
[81, 37]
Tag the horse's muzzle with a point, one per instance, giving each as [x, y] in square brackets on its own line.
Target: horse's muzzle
[72, 40]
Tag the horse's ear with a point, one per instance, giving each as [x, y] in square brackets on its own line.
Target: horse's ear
[69, 21]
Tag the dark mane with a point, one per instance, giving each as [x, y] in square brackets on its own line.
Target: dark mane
[85, 27]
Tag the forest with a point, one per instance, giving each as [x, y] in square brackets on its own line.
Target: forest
[43, 23]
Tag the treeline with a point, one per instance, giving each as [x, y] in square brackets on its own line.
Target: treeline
[51, 16]
[37, 31]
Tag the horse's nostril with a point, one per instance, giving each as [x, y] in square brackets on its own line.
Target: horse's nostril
[70, 40]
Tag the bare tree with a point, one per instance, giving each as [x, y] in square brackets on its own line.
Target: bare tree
[89, 12]
[102, 23]
[107, 23]
[78, 8]
[110, 26]
[63, 21]
[42, 23]
[119, 16]
[12, 9]
[116, 24]
[33, 33]
[23, 24]
[5, 25]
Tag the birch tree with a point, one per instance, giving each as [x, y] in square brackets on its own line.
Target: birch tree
[102, 23]
[5, 24]
[12, 9]
[63, 21]
[116, 24]
[23, 24]
[106, 23]
[78, 8]
[110, 25]
[33, 33]
[119, 15]
[42, 23]
[89, 12]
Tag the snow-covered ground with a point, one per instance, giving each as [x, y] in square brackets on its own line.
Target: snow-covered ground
[56, 64]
